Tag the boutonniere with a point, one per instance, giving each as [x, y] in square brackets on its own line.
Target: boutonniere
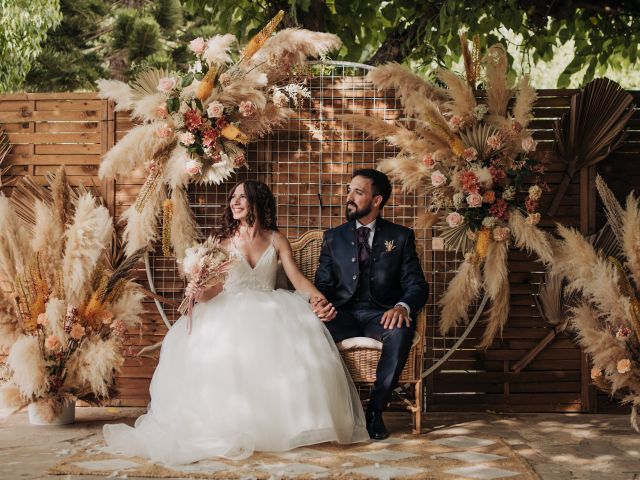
[389, 245]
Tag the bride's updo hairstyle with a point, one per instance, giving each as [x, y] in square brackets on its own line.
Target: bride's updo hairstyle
[262, 208]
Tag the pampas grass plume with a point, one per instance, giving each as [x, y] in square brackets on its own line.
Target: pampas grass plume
[129, 307]
[95, 365]
[28, 366]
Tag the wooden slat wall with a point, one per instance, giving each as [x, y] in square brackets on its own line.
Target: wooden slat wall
[76, 129]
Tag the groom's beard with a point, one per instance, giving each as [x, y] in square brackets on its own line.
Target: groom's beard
[355, 213]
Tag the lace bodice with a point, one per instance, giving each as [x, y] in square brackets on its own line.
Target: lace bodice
[261, 277]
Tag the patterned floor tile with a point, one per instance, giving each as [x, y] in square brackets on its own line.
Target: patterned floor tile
[472, 457]
[289, 469]
[481, 472]
[385, 455]
[385, 472]
[113, 464]
[462, 441]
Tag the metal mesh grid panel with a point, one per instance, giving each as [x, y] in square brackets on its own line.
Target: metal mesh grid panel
[308, 163]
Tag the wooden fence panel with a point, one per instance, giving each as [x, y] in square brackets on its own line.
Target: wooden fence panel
[308, 168]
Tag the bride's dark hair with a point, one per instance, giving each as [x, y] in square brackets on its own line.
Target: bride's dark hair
[262, 208]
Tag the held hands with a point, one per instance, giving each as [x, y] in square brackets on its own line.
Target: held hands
[324, 310]
[395, 317]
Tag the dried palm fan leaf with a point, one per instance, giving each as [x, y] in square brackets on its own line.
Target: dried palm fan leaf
[477, 136]
[23, 200]
[593, 128]
[456, 238]
[146, 82]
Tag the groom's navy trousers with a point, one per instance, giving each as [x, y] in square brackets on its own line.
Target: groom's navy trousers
[362, 292]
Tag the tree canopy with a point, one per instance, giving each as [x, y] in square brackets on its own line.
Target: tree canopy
[106, 38]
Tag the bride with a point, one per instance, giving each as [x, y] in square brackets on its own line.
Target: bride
[259, 371]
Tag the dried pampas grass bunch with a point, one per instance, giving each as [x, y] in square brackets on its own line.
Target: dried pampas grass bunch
[67, 309]
[196, 124]
[607, 319]
[469, 159]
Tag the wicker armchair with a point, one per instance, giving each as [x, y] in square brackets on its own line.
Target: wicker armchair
[362, 361]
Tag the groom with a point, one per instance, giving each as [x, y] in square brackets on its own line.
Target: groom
[370, 272]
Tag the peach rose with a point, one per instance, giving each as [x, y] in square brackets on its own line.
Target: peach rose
[624, 366]
[501, 234]
[454, 219]
[595, 373]
[161, 111]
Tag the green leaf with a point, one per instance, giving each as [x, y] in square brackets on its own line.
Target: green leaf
[187, 80]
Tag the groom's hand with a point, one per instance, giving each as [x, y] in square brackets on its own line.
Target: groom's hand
[324, 310]
[395, 317]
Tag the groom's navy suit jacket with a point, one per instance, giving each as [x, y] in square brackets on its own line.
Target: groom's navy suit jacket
[395, 271]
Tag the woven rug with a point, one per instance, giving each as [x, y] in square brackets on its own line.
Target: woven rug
[431, 457]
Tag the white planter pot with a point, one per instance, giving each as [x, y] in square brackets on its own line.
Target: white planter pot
[67, 415]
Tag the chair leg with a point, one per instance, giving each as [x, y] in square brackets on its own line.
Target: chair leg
[417, 413]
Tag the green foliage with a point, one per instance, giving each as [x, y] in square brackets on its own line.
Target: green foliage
[72, 57]
[23, 29]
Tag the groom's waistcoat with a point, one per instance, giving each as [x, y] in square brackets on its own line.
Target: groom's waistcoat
[393, 274]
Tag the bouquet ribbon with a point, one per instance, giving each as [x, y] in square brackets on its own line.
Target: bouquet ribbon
[190, 314]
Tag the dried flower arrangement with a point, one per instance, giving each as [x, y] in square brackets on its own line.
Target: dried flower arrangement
[197, 123]
[64, 309]
[471, 161]
[606, 317]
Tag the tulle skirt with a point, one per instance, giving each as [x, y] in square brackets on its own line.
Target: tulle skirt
[259, 371]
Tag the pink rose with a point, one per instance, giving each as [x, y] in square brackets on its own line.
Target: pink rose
[624, 366]
[455, 122]
[193, 167]
[247, 108]
[454, 219]
[428, 160]
[528, 144]
[215, 109]
[438, 179]
[474, 200]
[161, 111]
[164, 131]
[166, 84]
[197, 45]
[187, 138]
[470, 154]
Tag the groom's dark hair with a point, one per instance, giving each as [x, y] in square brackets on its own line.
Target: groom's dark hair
[380, 184]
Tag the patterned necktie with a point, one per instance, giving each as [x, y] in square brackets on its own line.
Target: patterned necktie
[364, 250]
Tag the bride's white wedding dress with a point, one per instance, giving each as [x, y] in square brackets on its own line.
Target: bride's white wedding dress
[259, 372]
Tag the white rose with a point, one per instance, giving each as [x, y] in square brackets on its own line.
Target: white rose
[215, 109]
[474, 200]
[438, 178]
[166, 84]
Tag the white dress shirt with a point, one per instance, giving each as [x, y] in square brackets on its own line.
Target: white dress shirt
[372, 230]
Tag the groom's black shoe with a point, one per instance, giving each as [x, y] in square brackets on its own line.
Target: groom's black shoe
[375, 425]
